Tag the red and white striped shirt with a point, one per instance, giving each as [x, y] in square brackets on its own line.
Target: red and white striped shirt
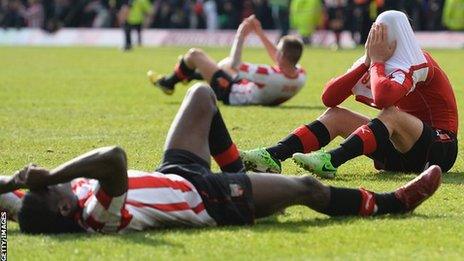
[11, 202]
[152, 200]
[265, 85]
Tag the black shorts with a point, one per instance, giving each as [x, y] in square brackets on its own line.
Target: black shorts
[227, 196]
[434, 147]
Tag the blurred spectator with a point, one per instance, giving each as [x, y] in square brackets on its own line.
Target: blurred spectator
[134, 16]
[180, 15]
[453, 14]
[336, 17]
[247, 9]
[280, 13]
[434, 16]
[12, 14]
[197, 15]
[305, 16]
[163, 12]
[416, 11]
[98, 13]
[34, 14]
[227, 14]
[263, 12]
[362, 20]
[210, 10]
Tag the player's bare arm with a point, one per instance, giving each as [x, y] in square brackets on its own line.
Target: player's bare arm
[270, 47]
[235, 55]
[12, 183]
[108, 165]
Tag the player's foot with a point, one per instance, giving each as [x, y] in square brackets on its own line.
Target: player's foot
[160, 82]
[259, 160]
[419, 189]
[316, 162]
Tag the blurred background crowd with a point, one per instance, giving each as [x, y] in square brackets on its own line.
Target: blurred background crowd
[302, 15]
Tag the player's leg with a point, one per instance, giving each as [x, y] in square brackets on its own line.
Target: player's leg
[401, 128]
[392, 126]
[226, 65]
[306, 138]
[192, 62]
[138, 28]
[189, 130]
[196, 61]
[272, 193]
[127, 36]
[199, 128]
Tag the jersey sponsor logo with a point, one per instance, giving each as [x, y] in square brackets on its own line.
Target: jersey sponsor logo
[442, 136]
[236, 190]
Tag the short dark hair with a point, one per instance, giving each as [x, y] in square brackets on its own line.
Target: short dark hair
[292, 48]
[35, 217]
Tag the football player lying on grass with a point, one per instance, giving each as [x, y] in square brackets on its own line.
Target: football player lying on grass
[417, 124]
[96, 192]
[238, 83]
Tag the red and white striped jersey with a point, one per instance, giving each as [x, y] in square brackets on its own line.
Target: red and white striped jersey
[152, 200]
[264, 85]
[11, 202]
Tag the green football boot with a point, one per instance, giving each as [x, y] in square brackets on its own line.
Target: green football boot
[259, 160]
[317, 162]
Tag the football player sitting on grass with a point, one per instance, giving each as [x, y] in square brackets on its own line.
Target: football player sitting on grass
[418, 121]
[96, 192]
[239, 83]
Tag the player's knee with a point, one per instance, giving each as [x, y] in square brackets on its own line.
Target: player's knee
[194, 52]
[313, 188]
[203, 96]
[333, 113]
[225, 63]
[389, 115]
[310, 185]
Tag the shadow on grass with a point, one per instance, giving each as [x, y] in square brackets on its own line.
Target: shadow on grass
[157, 237]
[176, 103]
[453, 178]
[282, 107]
[299, 107]
[448, 178]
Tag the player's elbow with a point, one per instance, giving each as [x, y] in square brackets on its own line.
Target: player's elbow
[382, 94]
[116, 158]
[327, 100]
[382, 101]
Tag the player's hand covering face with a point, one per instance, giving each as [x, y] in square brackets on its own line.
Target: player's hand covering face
[32, 177]
[378, 48]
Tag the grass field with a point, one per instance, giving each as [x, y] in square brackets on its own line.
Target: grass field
[56, 103]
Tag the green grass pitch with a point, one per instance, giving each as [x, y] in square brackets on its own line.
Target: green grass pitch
[56, 103]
